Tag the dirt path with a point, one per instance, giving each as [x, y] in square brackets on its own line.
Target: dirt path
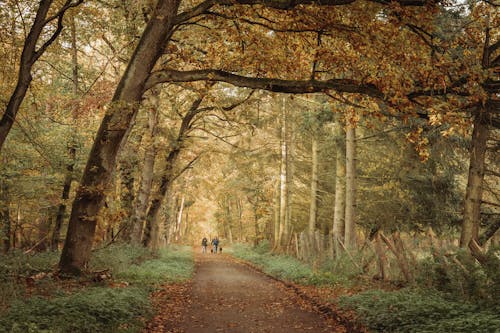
[227, 296]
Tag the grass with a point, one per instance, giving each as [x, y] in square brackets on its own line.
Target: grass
[88, 307]
[410, 310]
[96, 309]
[172, 265]
[286, 267]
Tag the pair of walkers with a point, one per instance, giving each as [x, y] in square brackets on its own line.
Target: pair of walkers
[215, 245]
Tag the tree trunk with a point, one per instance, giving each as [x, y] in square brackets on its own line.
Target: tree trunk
[340, 192]
[283, 179]
[126, 168]
[142, 200]
[314, 190]
[44, 224]
[5, 216]
[157, 198]
[240, 220]
[381, 258]
[186, 222]
[115, 124]
[228, 220]
[290, 170]
[398, 250]
[350, 197]
[277, 209]
[169, 208]
[474, 191]
[61, 211]
[179, 219]
[255, 226]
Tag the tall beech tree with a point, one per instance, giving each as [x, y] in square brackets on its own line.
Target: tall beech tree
[338, 227]
[101, 163]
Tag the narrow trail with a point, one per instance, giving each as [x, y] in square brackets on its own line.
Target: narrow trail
[227, 296]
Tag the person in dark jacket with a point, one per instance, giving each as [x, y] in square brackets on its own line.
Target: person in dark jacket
[215, 243]
[204, 243]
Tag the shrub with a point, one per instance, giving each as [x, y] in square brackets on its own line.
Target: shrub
[16, 263]
[461, 277]
[414, 311]
[172, 264]
[119, 257]
[92, 310]
[15, 267]
[284, 267]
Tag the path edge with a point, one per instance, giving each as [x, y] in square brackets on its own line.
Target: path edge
[324, 309]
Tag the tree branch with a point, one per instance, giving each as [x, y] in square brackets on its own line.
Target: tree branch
[203, 7]
[271, 84]
[187, 166]
[63, 10]
[489, 232]
[60, 17]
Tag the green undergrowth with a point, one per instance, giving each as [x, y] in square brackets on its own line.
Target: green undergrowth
[410, 310]
[96, 309]
[118, 305]
[171, 265]
[286, 267]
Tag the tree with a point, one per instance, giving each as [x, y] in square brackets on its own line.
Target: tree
[30, 55]
[338, 227]
[101, 163]
[350, 187]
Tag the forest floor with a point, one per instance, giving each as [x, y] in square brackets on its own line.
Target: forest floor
[226, 295]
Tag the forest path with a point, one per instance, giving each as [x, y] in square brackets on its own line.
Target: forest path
[228, 296]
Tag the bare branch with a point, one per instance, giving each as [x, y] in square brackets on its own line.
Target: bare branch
[187, 166]
[340, 27]
[492, 172]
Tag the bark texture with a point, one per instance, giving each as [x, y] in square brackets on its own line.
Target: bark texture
[115, 124]
[474, 190]
[314, 190]
[340, 172]
[5, 216]
[143, 195]
[350, 197]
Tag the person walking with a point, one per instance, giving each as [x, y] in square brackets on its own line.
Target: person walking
[215, 243]
[204, 243]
